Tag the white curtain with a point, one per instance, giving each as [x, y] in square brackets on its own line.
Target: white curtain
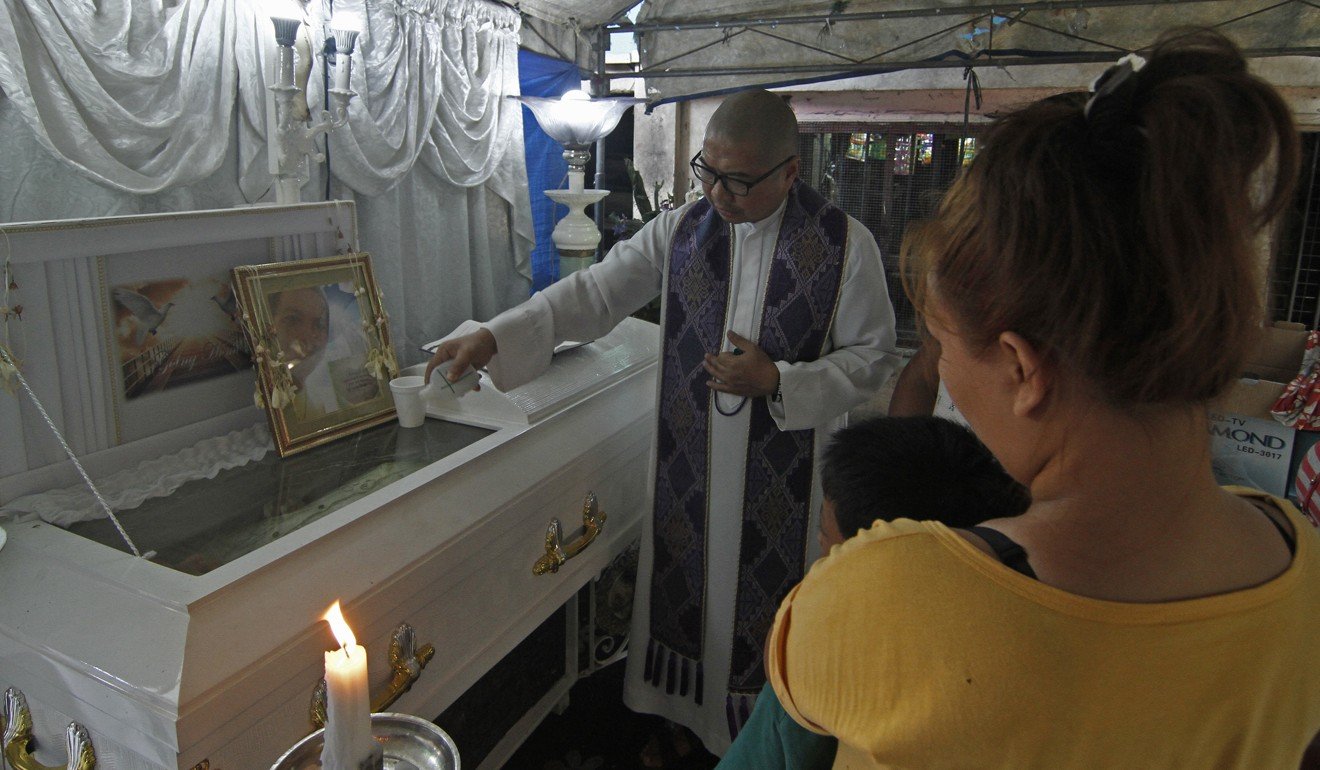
[112, 107]
[129, 93]
[428, 159]
[162, 105]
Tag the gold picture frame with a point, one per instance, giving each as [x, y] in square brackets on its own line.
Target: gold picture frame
[321, 348]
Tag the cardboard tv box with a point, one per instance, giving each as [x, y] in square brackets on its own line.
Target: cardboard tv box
[1247, 444]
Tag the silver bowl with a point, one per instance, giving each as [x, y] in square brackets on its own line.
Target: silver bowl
[409, 743]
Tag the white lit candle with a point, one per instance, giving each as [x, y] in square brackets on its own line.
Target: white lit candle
[348, 741]
[343, 68]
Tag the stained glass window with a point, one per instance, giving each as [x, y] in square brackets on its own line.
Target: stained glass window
[968, 149]
[903, 154]
[864, 146]
[886, 176]
[925, 148]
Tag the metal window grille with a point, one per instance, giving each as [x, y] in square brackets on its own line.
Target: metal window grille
[886, 176]
[1294, 286]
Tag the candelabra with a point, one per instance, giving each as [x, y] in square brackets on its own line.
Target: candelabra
[576, 121]
[295, 139]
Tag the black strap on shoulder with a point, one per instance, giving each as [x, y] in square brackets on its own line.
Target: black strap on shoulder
[1010, 553]
[1287, 536]
[1014, 556]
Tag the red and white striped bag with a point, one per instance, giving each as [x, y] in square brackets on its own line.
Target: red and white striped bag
[1307, 484]
[1299, 404]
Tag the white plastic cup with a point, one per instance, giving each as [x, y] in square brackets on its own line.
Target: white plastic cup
[408, 401]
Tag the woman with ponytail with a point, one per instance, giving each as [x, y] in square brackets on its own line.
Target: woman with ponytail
[1093, 280]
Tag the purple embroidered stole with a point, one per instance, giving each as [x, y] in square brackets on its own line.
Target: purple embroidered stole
[798, 310]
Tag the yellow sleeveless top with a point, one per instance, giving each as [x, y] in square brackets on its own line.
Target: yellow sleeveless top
[918, 650]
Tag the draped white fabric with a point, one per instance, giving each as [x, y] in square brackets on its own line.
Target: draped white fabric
[456, 119]
[128, 93]
[455, 127]
[140, 97]
[114, 107]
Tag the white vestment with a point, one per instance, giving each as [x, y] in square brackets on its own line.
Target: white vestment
[944, 407]
[817, 394]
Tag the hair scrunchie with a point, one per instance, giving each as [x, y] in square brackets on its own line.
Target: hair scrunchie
[1112, 127]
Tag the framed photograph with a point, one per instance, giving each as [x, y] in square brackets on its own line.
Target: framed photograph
[320, 344]
[175, 331]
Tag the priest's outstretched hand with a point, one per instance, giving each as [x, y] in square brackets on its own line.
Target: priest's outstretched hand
[471, 350]
[744, 371]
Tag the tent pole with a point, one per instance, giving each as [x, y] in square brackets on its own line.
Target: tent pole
[600, 88]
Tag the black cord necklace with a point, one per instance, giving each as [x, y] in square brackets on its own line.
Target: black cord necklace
[733, 235]
[736, 409]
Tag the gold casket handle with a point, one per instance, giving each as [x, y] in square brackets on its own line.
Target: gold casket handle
[406, 664]
[557, 555]
[16, 721]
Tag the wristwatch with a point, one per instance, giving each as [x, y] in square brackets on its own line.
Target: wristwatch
[779, 392]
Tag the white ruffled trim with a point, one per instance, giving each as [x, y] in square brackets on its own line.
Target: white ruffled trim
[160, 477]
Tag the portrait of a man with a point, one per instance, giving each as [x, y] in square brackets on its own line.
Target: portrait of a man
[323, 348]
[319, 335]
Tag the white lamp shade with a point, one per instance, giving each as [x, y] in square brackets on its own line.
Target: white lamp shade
[575, 120]
[286, 30]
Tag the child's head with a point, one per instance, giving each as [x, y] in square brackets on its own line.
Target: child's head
[911, 468]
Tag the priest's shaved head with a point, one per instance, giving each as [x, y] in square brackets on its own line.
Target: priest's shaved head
[748, 161]
[760, 119]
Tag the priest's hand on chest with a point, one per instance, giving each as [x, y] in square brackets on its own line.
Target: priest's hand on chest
[744, 371]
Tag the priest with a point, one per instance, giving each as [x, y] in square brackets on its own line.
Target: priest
[776, 321]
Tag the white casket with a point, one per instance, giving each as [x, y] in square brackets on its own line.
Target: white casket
[208, 654]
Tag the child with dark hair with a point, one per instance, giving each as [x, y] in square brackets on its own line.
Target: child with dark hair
[911, 468]
[881, 468]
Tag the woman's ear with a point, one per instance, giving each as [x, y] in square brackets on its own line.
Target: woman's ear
[1031, 377]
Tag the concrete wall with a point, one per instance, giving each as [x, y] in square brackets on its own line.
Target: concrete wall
[665, 140]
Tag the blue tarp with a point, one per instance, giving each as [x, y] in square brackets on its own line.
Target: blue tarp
[546, 169]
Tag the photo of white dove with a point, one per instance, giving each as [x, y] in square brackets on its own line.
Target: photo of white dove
[228, 305]
[145, 314]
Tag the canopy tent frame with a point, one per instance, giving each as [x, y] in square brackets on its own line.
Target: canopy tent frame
[1031, 33]
[852, 70]
[910, 13]
[596, 39]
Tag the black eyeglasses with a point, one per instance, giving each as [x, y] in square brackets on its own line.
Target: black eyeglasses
[710, 176]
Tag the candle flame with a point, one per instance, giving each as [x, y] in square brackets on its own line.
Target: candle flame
[343, 634]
